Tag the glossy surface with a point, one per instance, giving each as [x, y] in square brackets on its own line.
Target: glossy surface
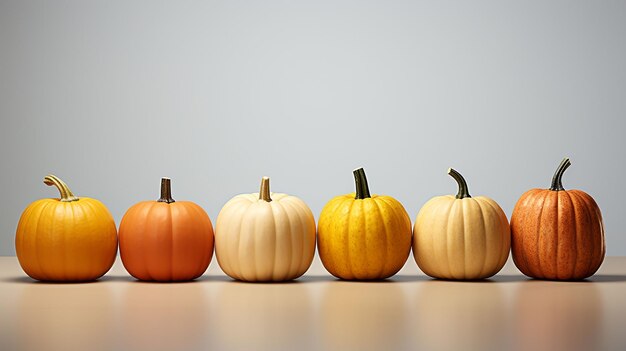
[315, 312]
[66, 241]
[166, 241]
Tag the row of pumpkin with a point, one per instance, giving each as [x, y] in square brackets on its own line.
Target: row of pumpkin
[554, 234]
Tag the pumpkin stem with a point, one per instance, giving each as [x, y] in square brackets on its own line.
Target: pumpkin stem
[264, 193]
[362, 189]
[463, 190]
[166, 191]
[557, 179]
[66, 193]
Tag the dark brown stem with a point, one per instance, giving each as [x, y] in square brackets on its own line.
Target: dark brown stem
[166, 191]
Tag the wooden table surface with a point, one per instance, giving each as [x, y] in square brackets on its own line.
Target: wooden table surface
[316, 312]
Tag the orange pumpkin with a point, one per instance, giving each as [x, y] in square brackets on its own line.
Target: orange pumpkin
[166, 240]
[66, 239]
[557, 234]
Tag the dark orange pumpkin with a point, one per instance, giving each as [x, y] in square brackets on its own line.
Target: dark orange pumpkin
[557, 234]
[165, 240]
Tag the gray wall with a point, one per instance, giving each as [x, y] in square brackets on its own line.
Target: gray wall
[112, 95]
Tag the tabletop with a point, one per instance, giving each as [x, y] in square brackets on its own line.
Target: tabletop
[315, 312]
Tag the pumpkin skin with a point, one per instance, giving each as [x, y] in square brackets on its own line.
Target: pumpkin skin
[66, 239]
[264, 237]
[363, 236]
[166, 240]
[461, 237]
[557, 234]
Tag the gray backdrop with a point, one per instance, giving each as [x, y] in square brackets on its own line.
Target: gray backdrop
[113, 95]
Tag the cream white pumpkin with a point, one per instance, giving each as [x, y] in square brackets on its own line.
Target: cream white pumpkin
[265, 237]
[461, 237]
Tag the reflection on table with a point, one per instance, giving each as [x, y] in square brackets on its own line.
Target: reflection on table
[315, 312]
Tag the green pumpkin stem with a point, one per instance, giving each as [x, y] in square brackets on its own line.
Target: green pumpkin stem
[463, 190]
[264, 193]
[64, 190]
[362, 189]
[557, 179]
[166, 191]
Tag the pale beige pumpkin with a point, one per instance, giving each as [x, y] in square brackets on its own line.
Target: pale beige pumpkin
[461, 237]
[263, 237]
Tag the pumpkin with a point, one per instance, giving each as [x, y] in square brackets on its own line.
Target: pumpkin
[363, 236]
[66, 239]
[557, 234]
[166, 240]
[461, 237]
[265, 236]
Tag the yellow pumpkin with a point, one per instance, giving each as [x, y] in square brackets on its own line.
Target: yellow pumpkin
[66, 239]
[363, 236]
[265, 237]
[461, 237]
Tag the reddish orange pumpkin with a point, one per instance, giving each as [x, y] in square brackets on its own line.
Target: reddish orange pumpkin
[557, 234]
[165, 240]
